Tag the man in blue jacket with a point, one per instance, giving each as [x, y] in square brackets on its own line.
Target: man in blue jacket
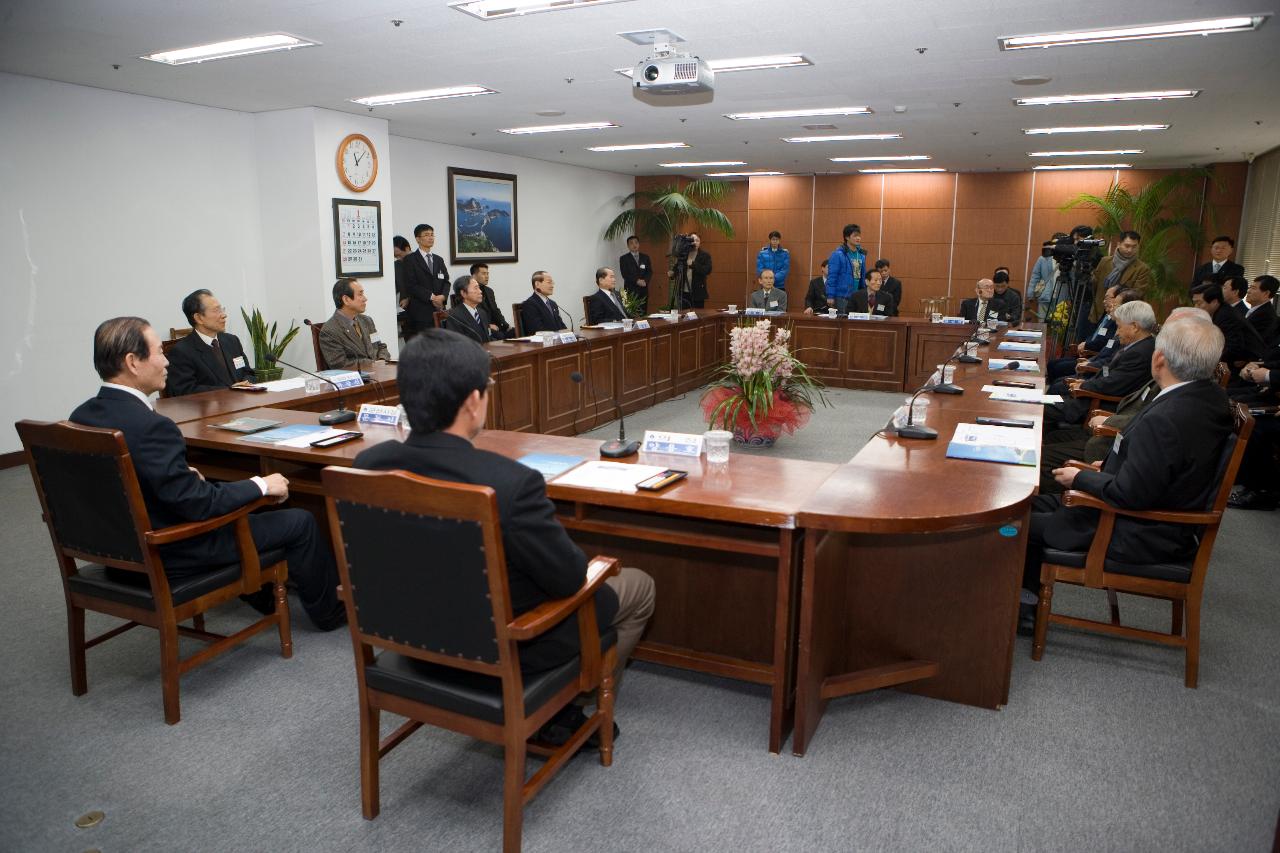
[846, 269]
[774, 257]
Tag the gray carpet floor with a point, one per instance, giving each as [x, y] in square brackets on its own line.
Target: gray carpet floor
[1100, 748]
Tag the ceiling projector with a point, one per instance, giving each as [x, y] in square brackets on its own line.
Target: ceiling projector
[670, 73]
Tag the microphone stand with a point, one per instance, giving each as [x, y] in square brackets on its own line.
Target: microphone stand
[340, 415]
[618, 448]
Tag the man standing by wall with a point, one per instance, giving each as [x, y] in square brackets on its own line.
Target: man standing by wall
[846, 269]
[637, 271]
[425, 281]
[774, 257]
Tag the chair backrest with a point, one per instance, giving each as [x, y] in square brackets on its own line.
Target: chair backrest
[586, 309]
[517, 318]
[440, 317]
[423, 565]
[321, 364]
[1232, 454]
[1222, 373]
[176, 332]
[88, 491]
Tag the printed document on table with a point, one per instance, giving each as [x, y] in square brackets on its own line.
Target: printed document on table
[1020, 395]
[609, 476]
[285, 384]
[1022, 335]
[1014, 346]
[1003, 364]
[986, 443]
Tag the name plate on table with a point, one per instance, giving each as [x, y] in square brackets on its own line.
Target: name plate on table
[859, 315]
[642, 324]
[672, 443]
[374, 414]
[754, 312]
[567, 338]
[953, 321]
[343, 378]
[692, 315]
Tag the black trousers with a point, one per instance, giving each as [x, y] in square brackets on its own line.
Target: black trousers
[310, 559]
[1042, 509]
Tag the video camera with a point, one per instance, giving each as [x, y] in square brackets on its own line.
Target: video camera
[1087, 251]
[681, 246]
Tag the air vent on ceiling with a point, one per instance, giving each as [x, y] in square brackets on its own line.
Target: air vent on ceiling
[819, 127]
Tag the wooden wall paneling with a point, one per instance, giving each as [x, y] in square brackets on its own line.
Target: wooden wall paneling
[1054, 189]
[634, 369]
[514, 405]
[844, 191]
[1224, 204]
[920, 191]
[875, 353]
[919, 212]
[977, 225]
[829, 223]
[561, 396]
[973, 261]
[994, 190]
[915, 225]
[784, 204]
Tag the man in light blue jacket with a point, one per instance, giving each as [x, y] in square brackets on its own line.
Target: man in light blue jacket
[774, 257]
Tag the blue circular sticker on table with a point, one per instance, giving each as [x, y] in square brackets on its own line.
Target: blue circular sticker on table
[1009, 530]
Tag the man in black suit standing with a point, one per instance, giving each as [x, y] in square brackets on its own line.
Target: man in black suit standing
[539, 313]
[605, 305]
[1219, 267]
[424, 281]
[1241, 343]
[210, 358]
[467, 317]
[637, 271]
[1126, 372]
[444, 383]
[127, 355]
[1262, 313]
[1167, 458]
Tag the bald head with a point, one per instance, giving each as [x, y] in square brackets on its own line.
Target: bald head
[985, 288]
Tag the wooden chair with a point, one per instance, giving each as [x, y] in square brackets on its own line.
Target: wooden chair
[321, 364]
[517, 319]
[176, 332]
[440, 318]
[1181, 583]
[93, 506]
[1100, 400]
[434, 637]
[1222, 373]
[175, 335]
[586, 309]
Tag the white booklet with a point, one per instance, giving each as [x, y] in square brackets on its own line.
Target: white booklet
[610, 476]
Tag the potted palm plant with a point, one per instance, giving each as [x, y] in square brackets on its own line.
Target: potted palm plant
[266, 342]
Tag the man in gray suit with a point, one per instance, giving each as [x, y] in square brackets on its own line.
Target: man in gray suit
[349, 336]
[768, 297]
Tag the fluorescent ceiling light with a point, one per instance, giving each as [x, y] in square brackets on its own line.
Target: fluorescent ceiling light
[1084, 166]
[228, 49]
[823, 111]
[1146, 31]
[1101, 128]
[894, 171]
[708, 164]
[1097, 153]
[557, 128]
[489, 10]
[879, 159]
[740, 174]
[1047, 100]
[746, 63]
[424, 95]
[642, 146]
[856, 137]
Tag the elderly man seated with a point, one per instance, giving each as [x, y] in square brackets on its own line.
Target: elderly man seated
[1128, 371]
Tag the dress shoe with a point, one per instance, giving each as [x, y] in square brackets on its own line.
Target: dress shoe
[1252, 499]
[1026, 620]
[561, 727]
[263, 601]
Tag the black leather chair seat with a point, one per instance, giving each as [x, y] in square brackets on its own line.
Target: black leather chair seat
[134, 588]
[1179, 572]
[468, 693]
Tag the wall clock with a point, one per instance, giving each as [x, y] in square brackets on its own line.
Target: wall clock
[357, 162]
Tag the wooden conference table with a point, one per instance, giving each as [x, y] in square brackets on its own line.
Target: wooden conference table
[815, 579]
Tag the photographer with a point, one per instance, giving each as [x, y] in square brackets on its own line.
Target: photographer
[699, 266]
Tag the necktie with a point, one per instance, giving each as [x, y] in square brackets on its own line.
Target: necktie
[223, 372]
[871, 302]
[618, 302]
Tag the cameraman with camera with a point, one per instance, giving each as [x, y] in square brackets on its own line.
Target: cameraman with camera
[1122, 268]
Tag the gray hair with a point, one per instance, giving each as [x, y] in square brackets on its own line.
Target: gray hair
[1191, 349]
[1186, 312]
[1140, 313]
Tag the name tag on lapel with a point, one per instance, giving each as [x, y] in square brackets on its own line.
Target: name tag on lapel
[238, 362]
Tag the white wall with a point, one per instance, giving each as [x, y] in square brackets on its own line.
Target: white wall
[112, 204]
[561, 215]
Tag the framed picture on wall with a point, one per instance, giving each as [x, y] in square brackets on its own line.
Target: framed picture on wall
[482, 216]
[357, 237]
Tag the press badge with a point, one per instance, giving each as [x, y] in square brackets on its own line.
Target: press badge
[238, 362]
[1115, 445]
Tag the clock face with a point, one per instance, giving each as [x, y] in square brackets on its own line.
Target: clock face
[357, 162]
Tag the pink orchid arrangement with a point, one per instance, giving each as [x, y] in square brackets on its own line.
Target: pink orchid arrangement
[763, 387]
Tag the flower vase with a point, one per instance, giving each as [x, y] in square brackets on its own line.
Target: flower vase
[750, 437]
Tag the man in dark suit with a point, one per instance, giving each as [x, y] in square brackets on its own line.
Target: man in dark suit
[423, 280]
[815, 300]
[1219, 267]
[890, 284]
[1241, 343]
[467, 317]
[127, 355]
[873, 299]
[980, 308]
[1258, 481]
[444, 381]
[499, 328]
[1167, 458]
[637, 271]
[210, 358]
[605, 305]
[1233, 290]
[539, 313]
[1262, 313]
[1008, 298]
[1127, 371]
[350, 336]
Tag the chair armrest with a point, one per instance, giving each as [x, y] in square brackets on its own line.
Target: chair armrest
[1086, 368]
[1083, 466]
[1084, 499]
[1104, 430]
[179, 532]
[1094, 395]
[1093, 413]
[551, 613]
[1264, 411]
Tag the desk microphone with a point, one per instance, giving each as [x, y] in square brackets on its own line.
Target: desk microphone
[339, 415]
[966, 358]
[618, 448]
[947, 387]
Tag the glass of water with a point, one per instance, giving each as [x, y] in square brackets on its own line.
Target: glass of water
[717, 441]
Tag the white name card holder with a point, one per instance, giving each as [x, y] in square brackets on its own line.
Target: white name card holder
[954, 321]
[374, 414]
[343, 378]
[567, 338]
[642, 324]
[859, 315]
[753, 312]
[672, 443]
[692, 315]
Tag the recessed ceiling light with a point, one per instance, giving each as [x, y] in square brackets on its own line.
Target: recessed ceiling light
[1108, 152]
[557, 128]
[1101, 128]
[228, 49]
[887, 159]
[746, 63]
[1031, 80]
[822, 111]
[894, 171]
[1204, 27]
[424, 95]
[741, 174]
[1047, 100]
[549, 113]
[642, 146]
[1083, 166]
[708, 164]
[856, 137]
[489, 10]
